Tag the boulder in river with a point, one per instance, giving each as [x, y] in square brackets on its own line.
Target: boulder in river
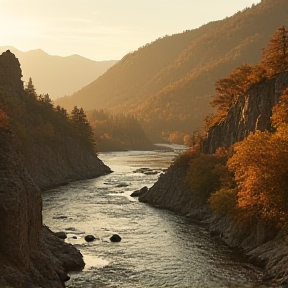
[140, 192]
[89, 238]
[115, 238]
[121, 185]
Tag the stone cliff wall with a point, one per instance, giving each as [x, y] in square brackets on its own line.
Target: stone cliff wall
[251, 112]
[30, 255]
[54, 165]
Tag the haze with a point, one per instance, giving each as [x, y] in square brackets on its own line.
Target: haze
[103, 30]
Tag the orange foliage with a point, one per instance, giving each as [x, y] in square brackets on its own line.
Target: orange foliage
[261, 173]
[280, 111]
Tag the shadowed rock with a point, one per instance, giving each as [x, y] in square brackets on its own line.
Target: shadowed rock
[140, 192]
[115, 238]
[89, 238]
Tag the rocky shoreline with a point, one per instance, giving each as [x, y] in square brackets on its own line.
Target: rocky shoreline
[264, 246]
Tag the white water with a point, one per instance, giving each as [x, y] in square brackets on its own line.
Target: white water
[158, 248]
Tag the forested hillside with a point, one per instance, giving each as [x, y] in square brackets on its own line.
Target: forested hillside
[168, 84]
[57, 146]
[117, 132]
[56, 75]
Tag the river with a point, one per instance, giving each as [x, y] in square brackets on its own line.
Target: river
[158, 248]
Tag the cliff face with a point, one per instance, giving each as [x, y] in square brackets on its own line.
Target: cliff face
[30, 255]
[54, 165]
[263, 244]
[251, 112]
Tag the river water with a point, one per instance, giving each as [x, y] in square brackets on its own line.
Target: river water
[158, 248]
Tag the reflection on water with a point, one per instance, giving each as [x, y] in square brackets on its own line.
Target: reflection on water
[158, 248]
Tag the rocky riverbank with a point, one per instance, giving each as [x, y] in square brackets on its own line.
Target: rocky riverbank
[30, 254]
[54, 165]
[264, 245]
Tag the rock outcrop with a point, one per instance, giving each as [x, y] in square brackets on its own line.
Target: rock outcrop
[10, 74]
[251, 112]
[30, 254]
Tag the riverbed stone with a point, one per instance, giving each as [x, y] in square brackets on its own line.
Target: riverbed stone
[115, 238]
[89, 238]
[140, 192]
[61, 235]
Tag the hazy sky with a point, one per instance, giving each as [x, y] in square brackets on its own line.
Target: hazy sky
[103, 29]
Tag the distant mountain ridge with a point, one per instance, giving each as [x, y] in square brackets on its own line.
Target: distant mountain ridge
[169, 82]
[58, 76]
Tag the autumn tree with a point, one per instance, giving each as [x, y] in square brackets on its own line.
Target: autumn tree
[228, 90]
[4, 119]
[275, 56]
[280, 111]
[260, 168]
[204, 174]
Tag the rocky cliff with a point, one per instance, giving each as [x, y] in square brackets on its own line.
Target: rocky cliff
[54, 165]
[263, 244]
[251, 112]
[30, 255]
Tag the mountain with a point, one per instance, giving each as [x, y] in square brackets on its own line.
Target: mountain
[58, 76]
[168, 83]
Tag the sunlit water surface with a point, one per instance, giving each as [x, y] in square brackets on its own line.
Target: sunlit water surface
[158, 248]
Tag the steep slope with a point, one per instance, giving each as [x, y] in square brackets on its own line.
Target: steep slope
[168, 83]
[58, 76]
[124, 81]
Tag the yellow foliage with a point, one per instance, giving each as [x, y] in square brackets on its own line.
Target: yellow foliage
[224, 200]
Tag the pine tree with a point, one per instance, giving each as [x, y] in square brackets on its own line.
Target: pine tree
[81, 125]
[30, 89]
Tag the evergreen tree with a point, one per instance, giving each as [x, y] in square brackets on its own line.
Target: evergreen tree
[30, 89]
[81, 125]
